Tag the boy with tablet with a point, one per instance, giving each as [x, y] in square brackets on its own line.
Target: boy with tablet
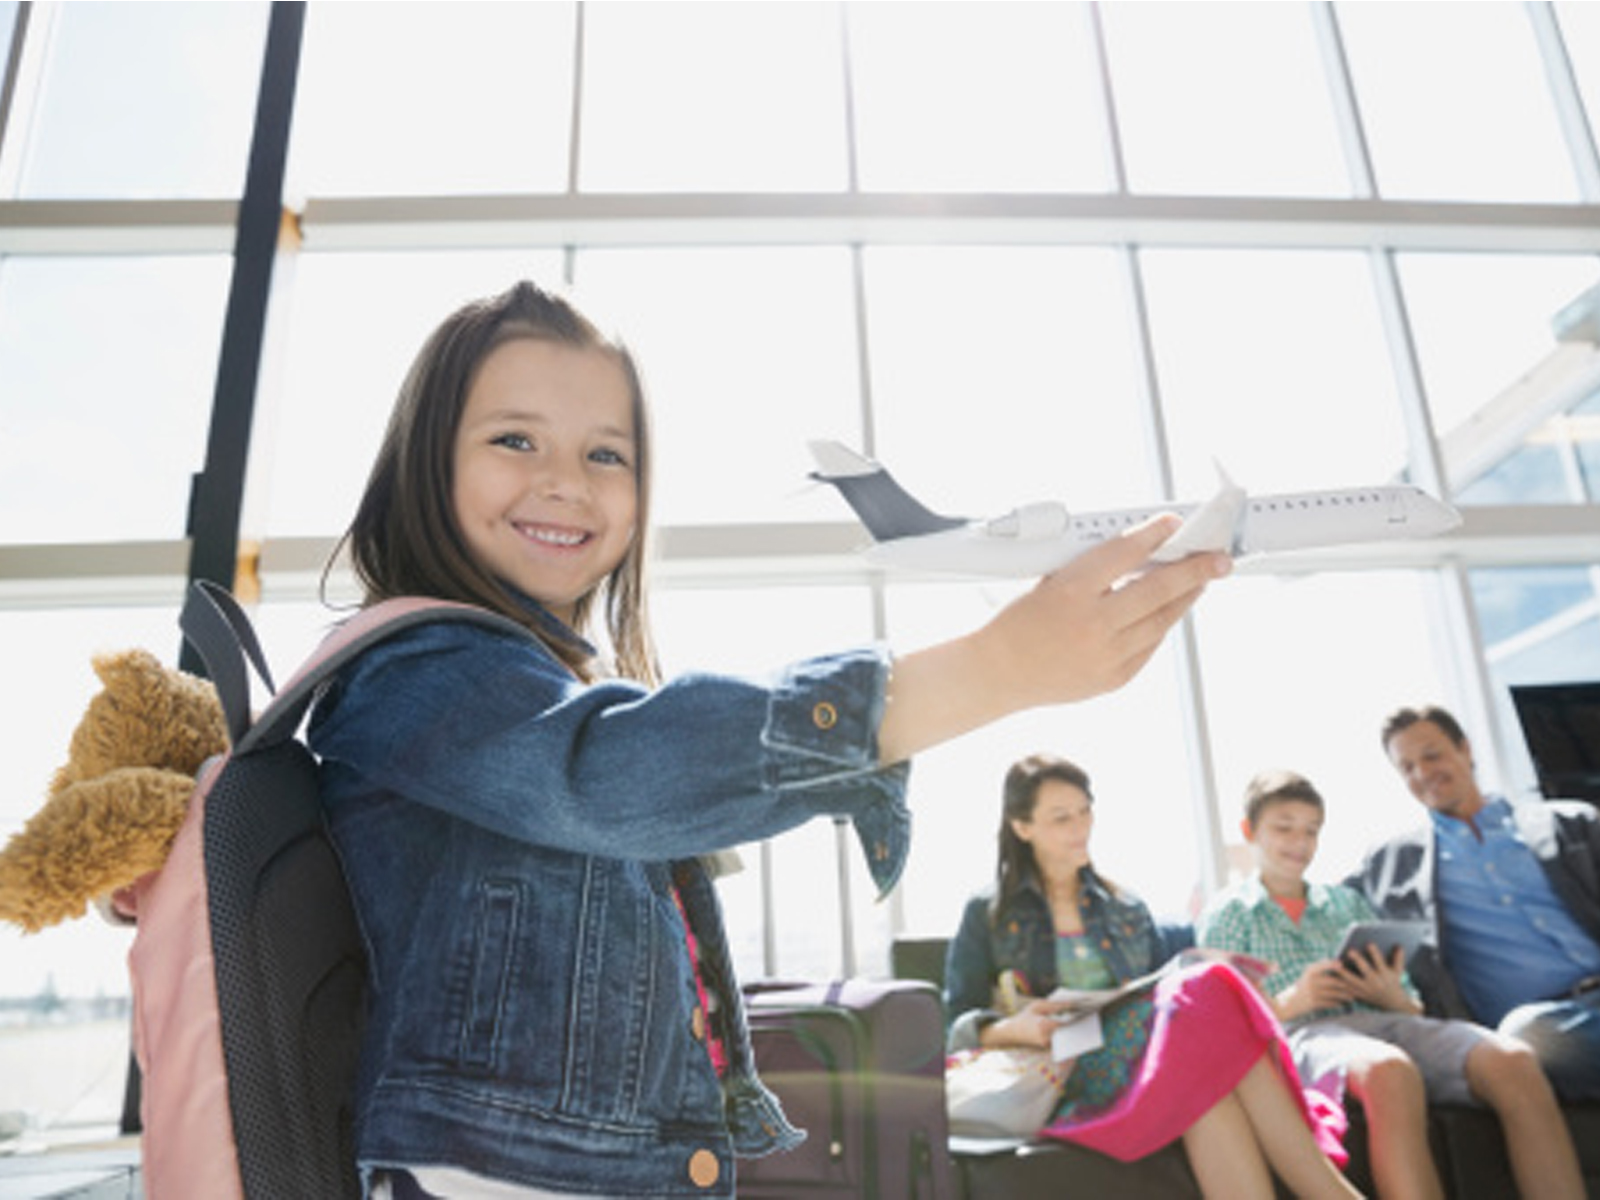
[1351, 1012]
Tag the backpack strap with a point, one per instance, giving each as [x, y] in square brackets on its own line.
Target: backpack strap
[222, 635]
[281, 718]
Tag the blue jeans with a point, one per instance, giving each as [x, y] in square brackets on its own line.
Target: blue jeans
[1566, 1036]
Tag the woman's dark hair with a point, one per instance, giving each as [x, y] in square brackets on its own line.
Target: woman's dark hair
[405, 539]
[1021, 795]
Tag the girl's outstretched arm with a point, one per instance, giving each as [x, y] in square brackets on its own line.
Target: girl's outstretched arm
[1083, 630]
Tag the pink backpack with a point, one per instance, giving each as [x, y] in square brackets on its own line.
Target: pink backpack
[247, 964]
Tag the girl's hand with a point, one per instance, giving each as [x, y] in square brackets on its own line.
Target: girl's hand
[1380, 981]
[1323, 984]
[1083, 630]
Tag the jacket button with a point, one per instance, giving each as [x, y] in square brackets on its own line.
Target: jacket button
[697, 1024]
[704, 1169]
[824, 715]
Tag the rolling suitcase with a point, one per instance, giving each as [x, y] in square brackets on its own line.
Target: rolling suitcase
[859, 1065]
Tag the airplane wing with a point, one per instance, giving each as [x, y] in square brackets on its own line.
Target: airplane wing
[1218, 524]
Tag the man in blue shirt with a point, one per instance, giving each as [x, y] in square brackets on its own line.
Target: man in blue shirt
[1513, 891]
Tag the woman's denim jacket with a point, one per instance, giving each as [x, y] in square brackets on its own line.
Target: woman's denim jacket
[512, 839]
[1022, 938]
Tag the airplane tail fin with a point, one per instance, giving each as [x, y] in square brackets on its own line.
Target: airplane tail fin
[883, 506]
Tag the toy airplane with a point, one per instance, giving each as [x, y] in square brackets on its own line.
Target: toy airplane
[1038, 538]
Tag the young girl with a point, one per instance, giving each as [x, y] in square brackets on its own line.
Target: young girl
[1196, 1056]
[552, 1007]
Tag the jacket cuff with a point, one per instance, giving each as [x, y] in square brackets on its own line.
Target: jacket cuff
[827, 709]
[822, 736]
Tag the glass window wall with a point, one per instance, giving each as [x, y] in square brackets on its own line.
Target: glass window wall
[171, 121]
[107, 370]
[902, 226]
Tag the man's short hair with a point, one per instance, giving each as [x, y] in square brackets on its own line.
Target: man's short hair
[1404, 718]
[1278, 787]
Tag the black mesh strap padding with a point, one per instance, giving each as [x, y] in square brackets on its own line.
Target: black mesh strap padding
[290, 976]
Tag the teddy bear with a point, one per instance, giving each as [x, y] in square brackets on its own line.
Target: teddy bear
[112, 810]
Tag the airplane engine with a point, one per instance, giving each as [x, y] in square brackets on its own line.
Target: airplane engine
[1045, 519]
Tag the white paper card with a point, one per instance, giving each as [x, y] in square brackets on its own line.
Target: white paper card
[1077, 1037]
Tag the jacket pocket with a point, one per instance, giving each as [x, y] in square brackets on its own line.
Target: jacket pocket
[499, 914]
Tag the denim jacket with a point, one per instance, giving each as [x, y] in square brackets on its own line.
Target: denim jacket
[1022, 937]
[512, 838]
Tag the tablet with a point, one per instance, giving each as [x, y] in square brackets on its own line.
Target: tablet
[1386, 935]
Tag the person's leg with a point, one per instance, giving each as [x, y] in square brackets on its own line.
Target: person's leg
[1223, 1151]
[1391, 1090]
[1565, 1034]
[1284, 1137]
[1506, 1075]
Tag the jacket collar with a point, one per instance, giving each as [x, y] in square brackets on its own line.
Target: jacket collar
[1090, 886]
[1256, 894]
[550, 624]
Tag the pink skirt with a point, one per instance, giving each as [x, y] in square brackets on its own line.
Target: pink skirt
[1209, 1027]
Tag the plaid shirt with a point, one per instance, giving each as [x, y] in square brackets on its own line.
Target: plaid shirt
[1246, 918]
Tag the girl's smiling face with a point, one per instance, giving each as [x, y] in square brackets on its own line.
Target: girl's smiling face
[545, 488]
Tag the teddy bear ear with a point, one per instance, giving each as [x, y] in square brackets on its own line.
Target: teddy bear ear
[122, 670]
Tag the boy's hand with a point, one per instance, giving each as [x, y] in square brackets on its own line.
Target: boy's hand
[1323, 984]
[1379, 981]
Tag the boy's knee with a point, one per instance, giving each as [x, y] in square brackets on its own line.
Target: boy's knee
[1389, 1076]
[1506, 1070]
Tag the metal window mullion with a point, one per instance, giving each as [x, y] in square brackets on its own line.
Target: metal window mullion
[1565, 95]
[848, 956]
[1422, 444]
[575, 124]
[1341, 90]
[1458, 644]
[1205, 805]
[842, 851]
[31, 35]
[12, 69]
[580, 42]
[1578, 492]
[1110, 126]
[217, 500]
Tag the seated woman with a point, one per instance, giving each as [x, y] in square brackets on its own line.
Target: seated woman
[1197, 1055]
